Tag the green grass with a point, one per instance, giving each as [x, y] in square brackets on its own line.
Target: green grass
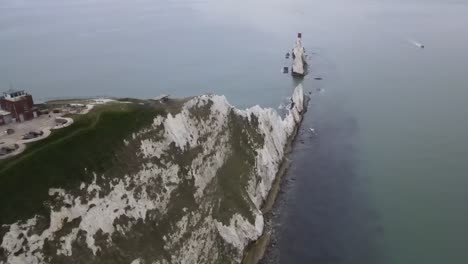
[237, 170]
[91, 142]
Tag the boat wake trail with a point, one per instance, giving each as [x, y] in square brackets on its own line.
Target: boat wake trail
[415, 43]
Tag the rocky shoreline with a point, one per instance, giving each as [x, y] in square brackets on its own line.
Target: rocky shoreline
[264, 250]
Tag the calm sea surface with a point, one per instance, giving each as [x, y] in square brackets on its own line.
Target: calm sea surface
[383, 180]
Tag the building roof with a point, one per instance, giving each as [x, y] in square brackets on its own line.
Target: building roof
[13, 90]
[14, 95]
[161, 97]
[14, 99]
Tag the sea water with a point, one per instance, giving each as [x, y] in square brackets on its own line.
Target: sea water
[383, 178]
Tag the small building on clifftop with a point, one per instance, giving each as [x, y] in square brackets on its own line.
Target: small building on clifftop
[19, 104]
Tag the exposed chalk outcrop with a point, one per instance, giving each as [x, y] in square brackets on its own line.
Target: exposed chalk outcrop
[299, 58]
[194, 194]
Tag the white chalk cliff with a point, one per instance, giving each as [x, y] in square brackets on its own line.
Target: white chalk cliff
[299, 58]
[198, 180]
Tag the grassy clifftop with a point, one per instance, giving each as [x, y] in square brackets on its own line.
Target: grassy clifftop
[138, 185]
[91, 142]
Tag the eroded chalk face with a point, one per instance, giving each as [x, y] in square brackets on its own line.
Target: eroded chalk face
[194, 192]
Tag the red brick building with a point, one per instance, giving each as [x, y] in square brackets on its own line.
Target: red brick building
[19, 104]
